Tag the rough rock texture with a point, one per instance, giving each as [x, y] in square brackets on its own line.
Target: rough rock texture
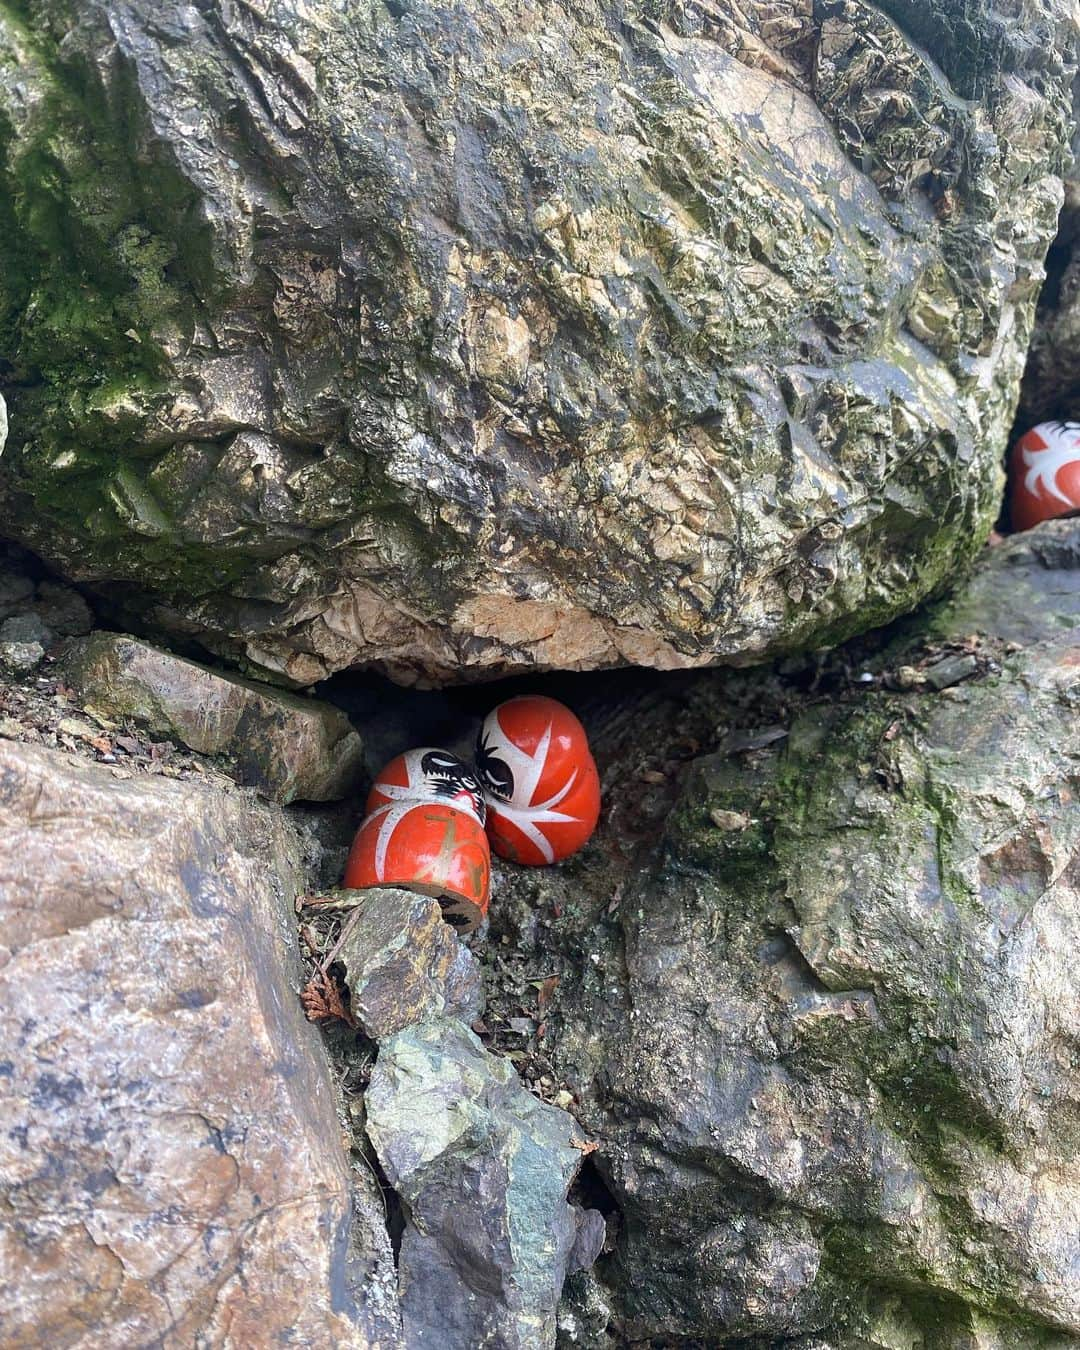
[34, 613]
[485, 336]
[1026, 591]
[826, 1035]
[174, 1173]
[19, 657]
[483, 1169]
[404, 964]
[288, 748]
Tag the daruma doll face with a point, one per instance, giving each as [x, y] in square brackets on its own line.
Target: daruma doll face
[428, 775]
[539, 778]
[1044, 476]
[429, 847]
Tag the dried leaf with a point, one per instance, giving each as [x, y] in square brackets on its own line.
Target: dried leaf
[545, 991]
[586, 1146]
[322, 1000]
[315, 901]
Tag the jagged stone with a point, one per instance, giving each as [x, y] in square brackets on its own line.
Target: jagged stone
[174, 1170]
[482, 338]
[287, 747]
[20, 658]
[483, 1169]
[404, 964]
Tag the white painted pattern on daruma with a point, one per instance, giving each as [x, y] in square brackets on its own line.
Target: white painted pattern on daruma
[395, 812]
[1062, 448]
[525, 773]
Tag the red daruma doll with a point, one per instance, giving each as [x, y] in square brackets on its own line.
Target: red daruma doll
[1045, 474]
[424, 831]
[539, 780]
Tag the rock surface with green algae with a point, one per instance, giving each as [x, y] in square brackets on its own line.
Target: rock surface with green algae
[477, 337]
[825, 1034]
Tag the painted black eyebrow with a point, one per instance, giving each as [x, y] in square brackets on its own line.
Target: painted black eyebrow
[443, 762]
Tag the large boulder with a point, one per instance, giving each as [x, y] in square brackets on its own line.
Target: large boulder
[827, 1038]
[174, 1170]
[469, 338]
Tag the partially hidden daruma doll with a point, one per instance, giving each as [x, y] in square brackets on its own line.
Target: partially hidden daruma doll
[424, 831]
[1045, 474]
[539, 780]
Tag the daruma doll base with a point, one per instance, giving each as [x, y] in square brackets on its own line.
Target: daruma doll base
[426, 847]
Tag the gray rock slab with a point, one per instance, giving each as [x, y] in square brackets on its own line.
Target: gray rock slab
[405, 964]
[483, 1168]
[288, 747]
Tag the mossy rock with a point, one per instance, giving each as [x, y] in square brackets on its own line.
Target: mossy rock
[466, 340]
[831, 1061]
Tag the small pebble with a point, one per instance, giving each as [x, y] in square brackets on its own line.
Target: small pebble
[907, 677]
[951, 671]
[729, 820]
